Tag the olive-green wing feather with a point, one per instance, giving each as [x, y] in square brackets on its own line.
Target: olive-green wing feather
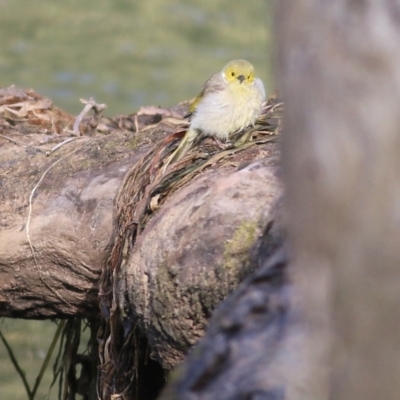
[213, 84]
[194, 104]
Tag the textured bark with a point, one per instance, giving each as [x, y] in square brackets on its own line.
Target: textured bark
[70, 223]
[57, 215]
[56, 200]
[64, 208]
[251, 343]
[195, 251]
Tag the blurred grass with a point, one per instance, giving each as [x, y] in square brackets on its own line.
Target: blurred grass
[128, 54]
[29, 341]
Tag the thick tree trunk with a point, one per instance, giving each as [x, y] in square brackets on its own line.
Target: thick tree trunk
[340, 70]
[55, 226]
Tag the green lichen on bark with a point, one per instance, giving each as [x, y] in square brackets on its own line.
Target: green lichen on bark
[237, 249]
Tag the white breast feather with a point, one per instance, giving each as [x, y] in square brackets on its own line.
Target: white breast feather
[219, 115]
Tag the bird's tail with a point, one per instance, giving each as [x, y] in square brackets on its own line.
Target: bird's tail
[184, 146]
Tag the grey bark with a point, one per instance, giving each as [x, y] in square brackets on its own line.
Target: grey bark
[69, 225]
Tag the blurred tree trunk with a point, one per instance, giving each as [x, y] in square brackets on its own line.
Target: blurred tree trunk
[339, 66]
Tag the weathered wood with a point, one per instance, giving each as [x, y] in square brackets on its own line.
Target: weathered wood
[195, 251]
[56, 201]
[59, 221]
[251, 343]
[70, 223]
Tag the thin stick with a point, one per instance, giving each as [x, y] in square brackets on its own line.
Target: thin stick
[21, 373]
[56, 147]
[24, 145]
[135, 120]
[29, 220]
[48, 357]
[98, 108]
[13, 141]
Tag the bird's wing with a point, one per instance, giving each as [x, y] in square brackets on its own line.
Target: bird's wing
[213, 84]
[260, 86]
[194, 104]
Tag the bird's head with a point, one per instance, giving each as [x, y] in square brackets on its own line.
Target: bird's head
[238, 71]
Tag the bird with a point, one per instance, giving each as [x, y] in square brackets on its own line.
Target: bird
[230, 101]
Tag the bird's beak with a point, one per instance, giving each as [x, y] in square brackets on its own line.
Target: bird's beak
[241, 78]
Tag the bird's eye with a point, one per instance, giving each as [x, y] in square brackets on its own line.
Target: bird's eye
[232, 73]
[248, 77]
